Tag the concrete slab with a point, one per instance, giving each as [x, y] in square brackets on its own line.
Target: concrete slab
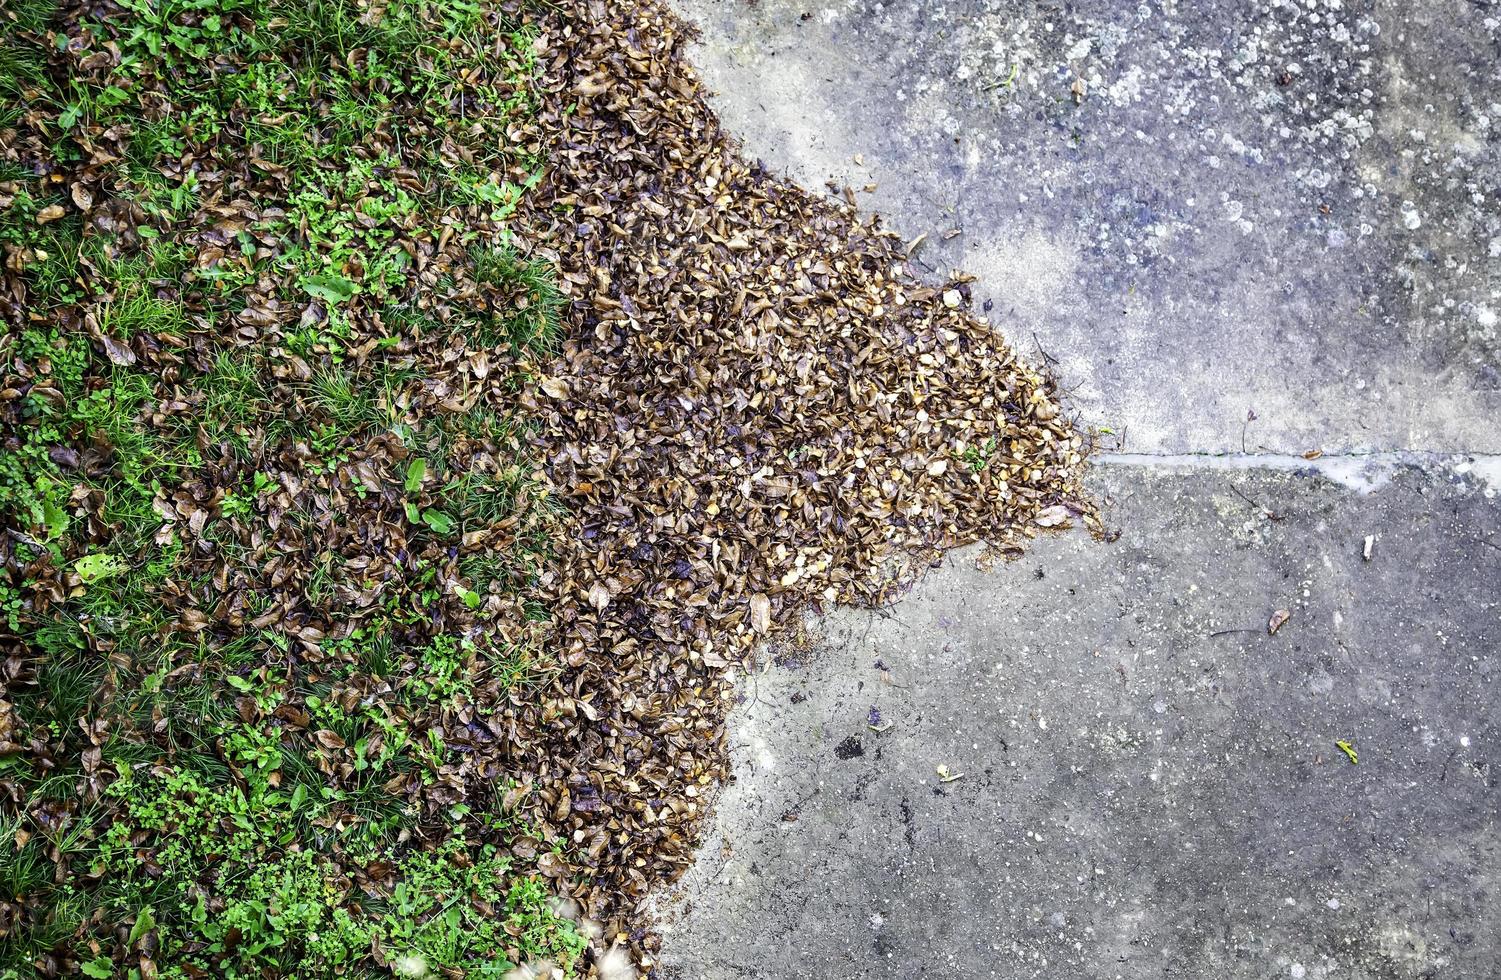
[1152, 785]
[1202, 210]
[1239, 232]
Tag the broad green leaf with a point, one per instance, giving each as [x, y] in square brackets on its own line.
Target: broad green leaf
[56, 520]
[97, 567]
[330, 287]
[100, 966]
[440, 522]
[416, 472]
[145, 922]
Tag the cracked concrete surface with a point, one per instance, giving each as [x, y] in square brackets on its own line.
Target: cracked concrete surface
[1286, 210]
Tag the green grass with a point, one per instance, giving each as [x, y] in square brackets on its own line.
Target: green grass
[140, 313]
[293, 913]
[524, 301]
[224, 699]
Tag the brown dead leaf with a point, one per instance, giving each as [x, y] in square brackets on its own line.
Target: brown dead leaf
[117, 352]
[760, 612]
[329, 739]
[1053, 516]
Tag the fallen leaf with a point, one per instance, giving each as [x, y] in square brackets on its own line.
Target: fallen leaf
[117, 352]
[98, 567]
[760, 609]
[330, 287]
[747, 387]
[1052, 516]
[1278, 618]
[329, 739]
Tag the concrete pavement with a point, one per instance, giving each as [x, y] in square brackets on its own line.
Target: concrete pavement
[1240, 233]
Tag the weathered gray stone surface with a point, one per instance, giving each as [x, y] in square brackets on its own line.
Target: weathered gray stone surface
[1151, 783]
[1291, 209]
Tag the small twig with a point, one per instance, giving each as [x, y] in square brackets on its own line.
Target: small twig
[1271, 515]
[1046, 357]
[1254, 503]
[892, 617]
[1225, 632]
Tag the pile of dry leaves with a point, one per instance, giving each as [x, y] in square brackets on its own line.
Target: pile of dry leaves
[757, 411]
